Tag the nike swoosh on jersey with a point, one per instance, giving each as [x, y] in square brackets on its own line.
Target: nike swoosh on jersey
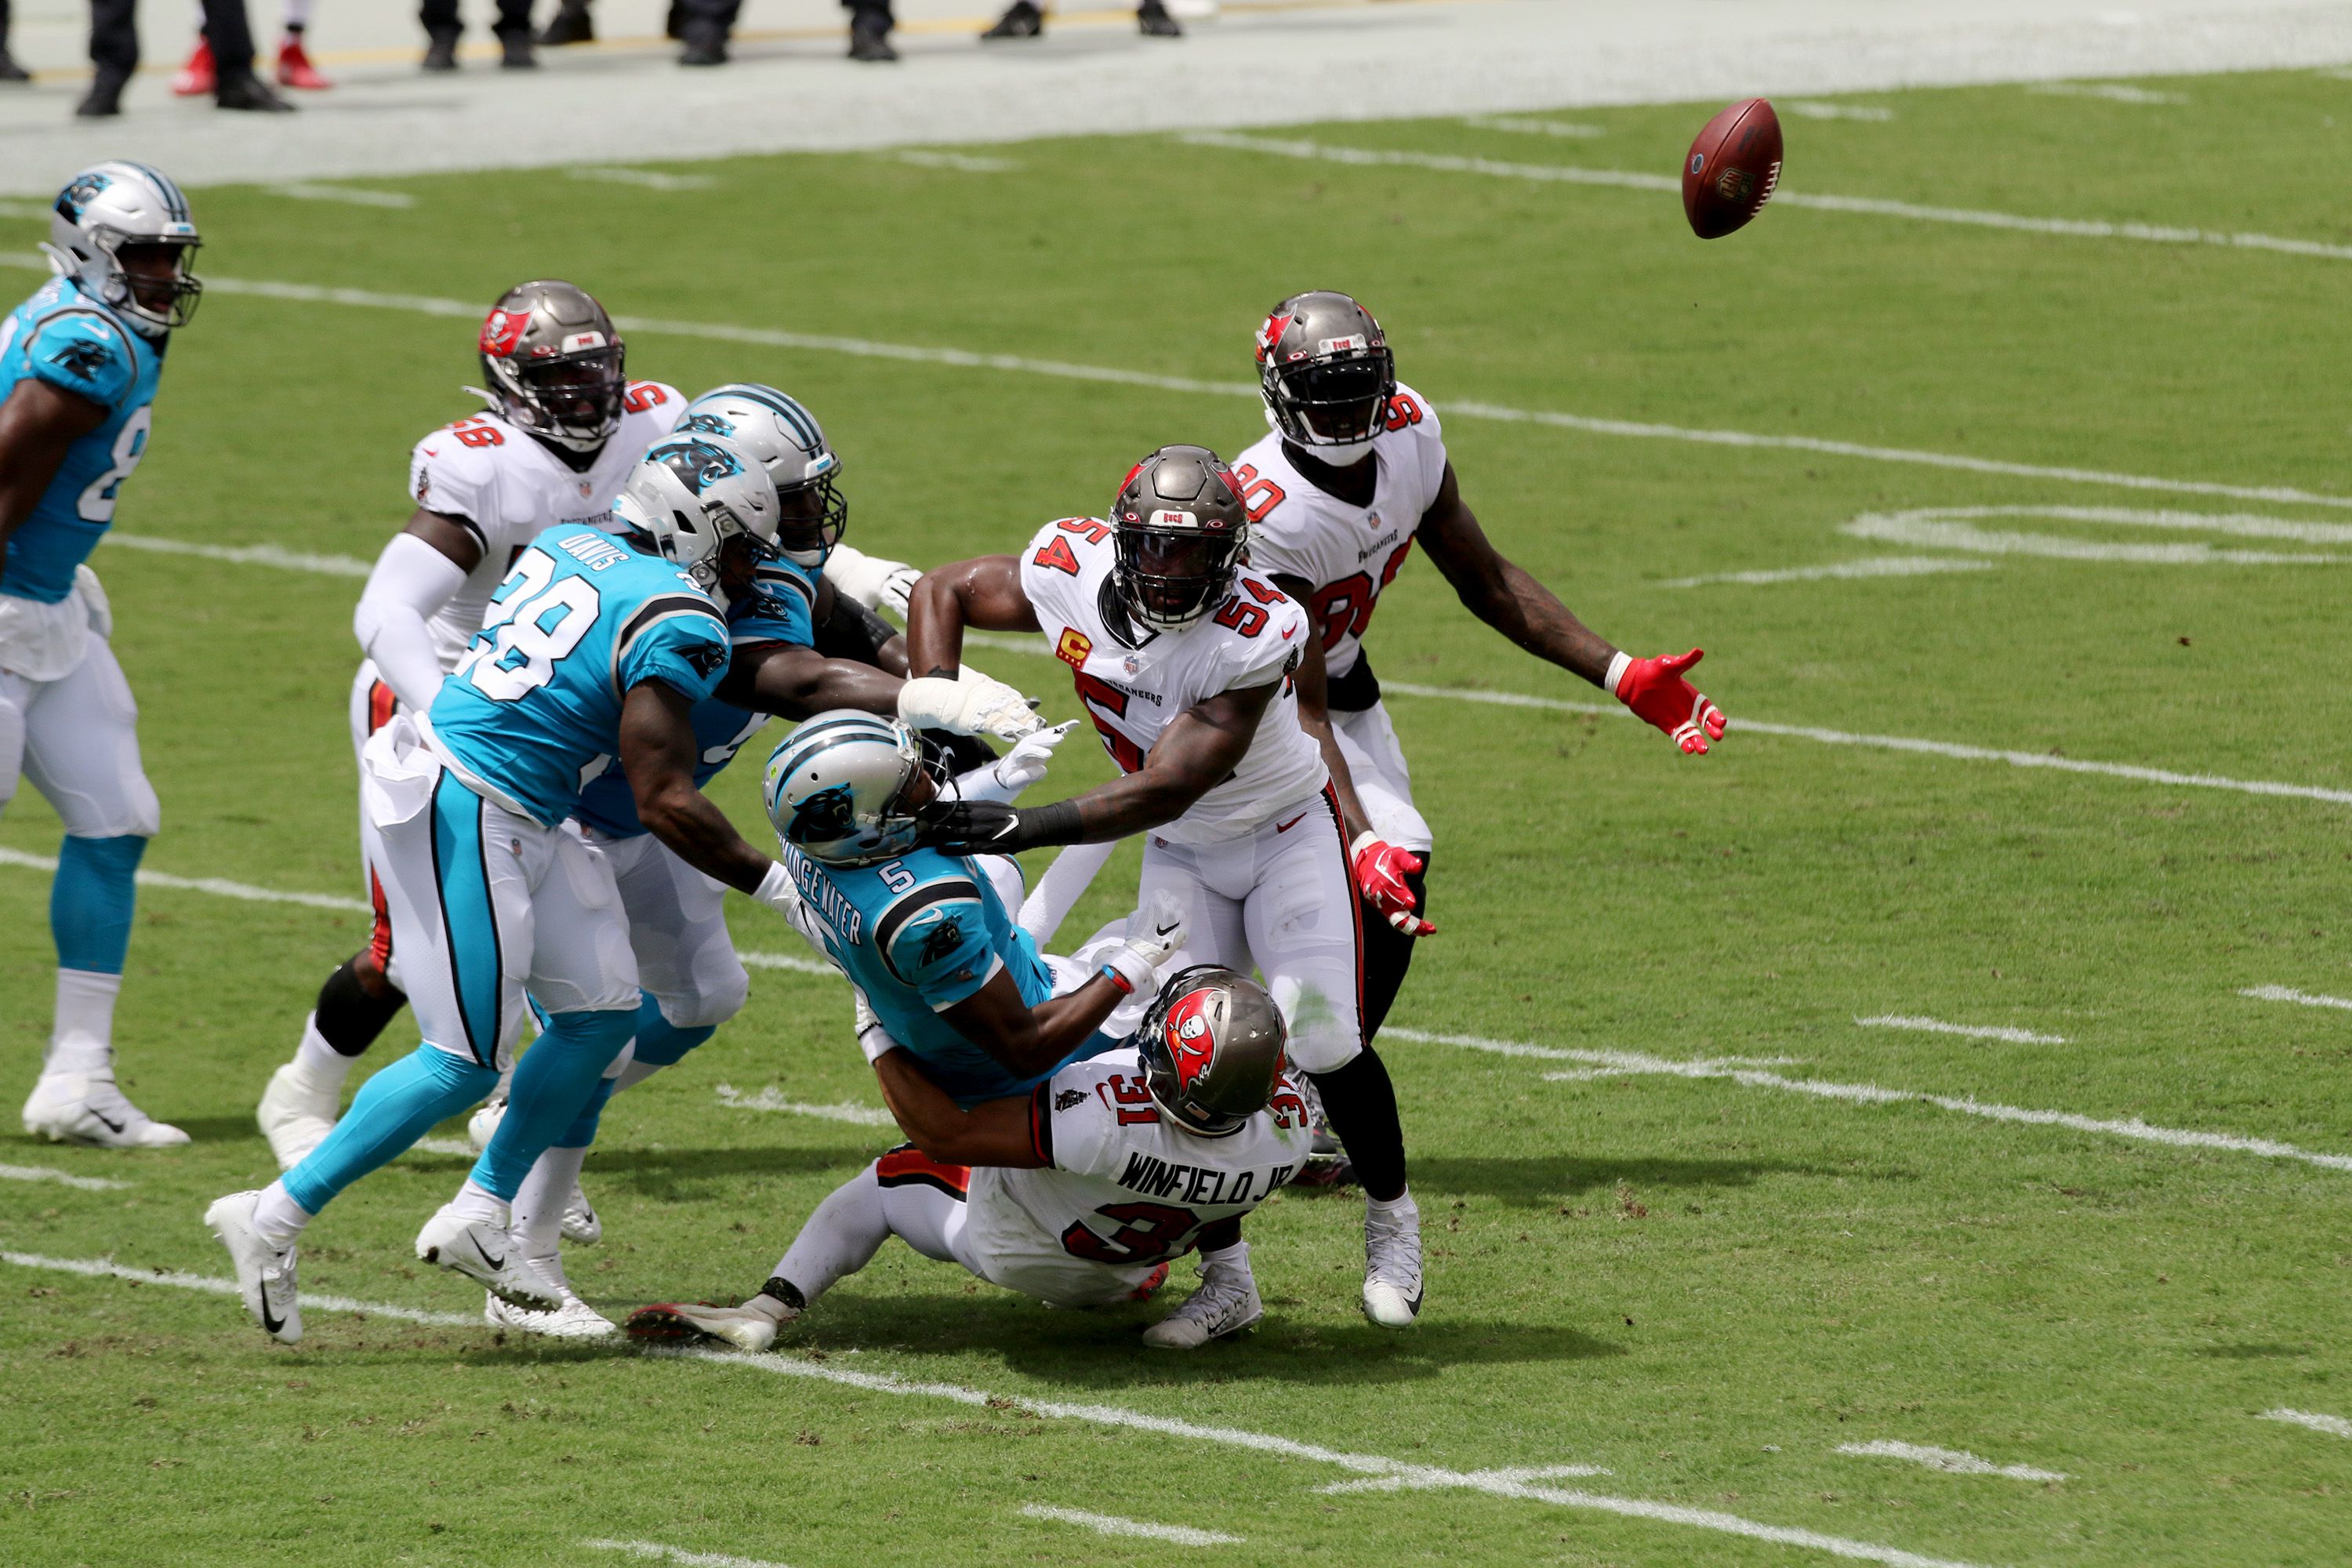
[1286, 827]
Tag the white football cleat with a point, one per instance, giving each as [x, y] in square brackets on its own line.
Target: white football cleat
[485, 1122]
[580, 1224]
[487, 1255]
[575, 1319]
[1225, 1303]
[296, 1115]
[1392, 1265]
[264, 1275]
[87, 1108]
[673, 1323]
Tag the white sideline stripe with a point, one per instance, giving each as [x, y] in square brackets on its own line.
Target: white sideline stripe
[2130, 1128]
[25, 209]
[2244, 525]
[1492, 1483]
[1416, 1483]
[246, 554]
[2113, 92]
[647, 179]
[865, 348]
[1521, 127]
[65, 1178]
[2334, 1425]
[203, 885]
[1109, 1524]
[2289, 994]
[107, 1268]
[1814, 109]
[1873, 566]
[1936, 528]
[1973, 1031]
[350, 195]
[442, 1146]
[1626, 179]
[961, 162]
[770, 1100]
[1951, 1461]
[656, 1551]
[787, 961]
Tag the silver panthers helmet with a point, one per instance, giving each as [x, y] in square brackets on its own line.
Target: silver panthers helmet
[787, 439]
[837, 786]
[555, 364]
[691, 494]
[113, 205]
[1212, 1049]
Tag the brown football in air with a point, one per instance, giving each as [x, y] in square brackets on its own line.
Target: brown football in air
[1732, 168]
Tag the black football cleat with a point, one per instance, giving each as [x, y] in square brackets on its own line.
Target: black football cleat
[104, 98]
[247, 93]
[570, 25]
[518, 52]
[1153, 20]
[705, 45]
[10, 70]
[440, 52]
[869, 37]
[1021, 20]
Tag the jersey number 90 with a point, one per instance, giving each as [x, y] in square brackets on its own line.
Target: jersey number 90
[520, 643]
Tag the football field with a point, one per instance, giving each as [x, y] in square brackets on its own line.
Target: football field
[1918, 1132]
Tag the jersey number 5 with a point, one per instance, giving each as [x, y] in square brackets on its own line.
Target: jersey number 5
[518, 646]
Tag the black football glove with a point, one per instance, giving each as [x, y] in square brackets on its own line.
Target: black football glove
[985, 827]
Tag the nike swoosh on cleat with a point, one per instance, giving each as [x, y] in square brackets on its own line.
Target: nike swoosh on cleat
[1286, 827]
[485, 1257]
[114, 1127]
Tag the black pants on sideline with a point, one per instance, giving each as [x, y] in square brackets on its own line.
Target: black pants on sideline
[441, 16]
[114, 36]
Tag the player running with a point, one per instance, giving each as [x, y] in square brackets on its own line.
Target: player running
[1078, 1193]
[79, 365]
[1207, 687]
[1353, 473]
[594, 647]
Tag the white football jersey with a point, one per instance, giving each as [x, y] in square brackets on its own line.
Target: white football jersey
[1349, 553]
[1133, 681]
[1123, 1188]
[510, 488]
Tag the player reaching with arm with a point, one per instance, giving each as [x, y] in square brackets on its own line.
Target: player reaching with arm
[595, 646]
[1184, 658]
[79, 365]
[1354, 473]
[1078, 1193]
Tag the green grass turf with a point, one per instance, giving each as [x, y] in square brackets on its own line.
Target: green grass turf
[1704, 1286]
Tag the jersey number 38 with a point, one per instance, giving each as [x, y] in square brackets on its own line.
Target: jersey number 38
[529, 628]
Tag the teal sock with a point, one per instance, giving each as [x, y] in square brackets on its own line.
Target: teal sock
[391, 1111]
[661, 1043]
[553, 1084]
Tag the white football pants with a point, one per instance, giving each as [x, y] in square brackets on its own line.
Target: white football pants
[677, 928]
[1376, 767]
[77, 738]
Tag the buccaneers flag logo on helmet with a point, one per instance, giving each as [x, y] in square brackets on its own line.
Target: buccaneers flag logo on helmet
[1190, 1044]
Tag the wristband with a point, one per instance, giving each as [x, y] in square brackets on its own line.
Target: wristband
[1356, 850]
[876, 1042]
[1042, 825]
[776, 889]
[1619, 664]
[1111, 973]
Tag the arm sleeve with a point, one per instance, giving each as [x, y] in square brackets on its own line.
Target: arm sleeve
[776, 610]
[411, 582]
[936, 940]
[854, 632]
[85, 353]
[1084, 1129]
[677, 639]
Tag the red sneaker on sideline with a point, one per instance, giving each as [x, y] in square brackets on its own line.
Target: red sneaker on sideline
[198, 78]
[295, 69]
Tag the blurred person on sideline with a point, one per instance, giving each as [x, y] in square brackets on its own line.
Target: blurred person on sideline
[199, 75]
[1026, 20]
[704, 27]
[9, 69]
[442, 28]
[114, 56]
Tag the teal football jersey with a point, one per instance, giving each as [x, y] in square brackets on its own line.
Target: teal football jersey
[779, 608]
[917, 935]
[77, 346]
[532, 711]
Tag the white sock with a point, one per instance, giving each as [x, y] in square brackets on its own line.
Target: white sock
[278, 1219]
[539, 1205]
[1234, 1256]
[319, 1061]
[475, 1202]
[82, 1039]
[634, 1073]
[1402, 1203]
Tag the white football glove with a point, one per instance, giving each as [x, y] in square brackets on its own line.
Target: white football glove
[871, 580]
[971, 704]
[1004, 779]
[1154, 935]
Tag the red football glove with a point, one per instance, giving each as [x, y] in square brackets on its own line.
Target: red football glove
[1381, 873]
[1656, 690]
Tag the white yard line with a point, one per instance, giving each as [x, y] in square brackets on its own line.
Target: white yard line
[2289, 994]
[656, 1552]
[2131, 1128]
[468, 311]
[2334, 1425]
[1954, 528]
[444, 1146]
[63, 1178]
[1973, 1031]
[107, 1268]
[213, 885]
[1951, 1461]
[960, 162]
[793, 961]
[771, 1100]
[1420, 1483]
[645, 179]
[1814, 109]
[246, 554]
[1874, 566]
[2113, 92]
[350, 195]
[1107, 1524]
[1522, 127]
[1627, 179]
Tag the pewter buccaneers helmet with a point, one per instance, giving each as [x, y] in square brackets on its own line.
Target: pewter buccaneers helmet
[836, 787]
[691, 494]
[790, 445]
[1325, 372]
[555, 362]
[1211, 1046]
[1180, 530]
[111, 205]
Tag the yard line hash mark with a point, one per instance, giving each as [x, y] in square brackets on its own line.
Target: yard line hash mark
[2289, 994]
[350, 195]
[1423, 1483]
[1814, 109]
[247, 554]
[1523, 127]
[1973, 1031]
[107, 1268]
[64, 1178]
[1954, 528]
[867, 348]
[2113, 92]
[2334, 1425]
[2128, 1128]
[212, 885]
[792, 961]
[1874, 206]
[770, 1100]
[960, 163]
[1110, 1524]
[645, 179]
[1873, 566]
[656, 1552]
[1951, 1461]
